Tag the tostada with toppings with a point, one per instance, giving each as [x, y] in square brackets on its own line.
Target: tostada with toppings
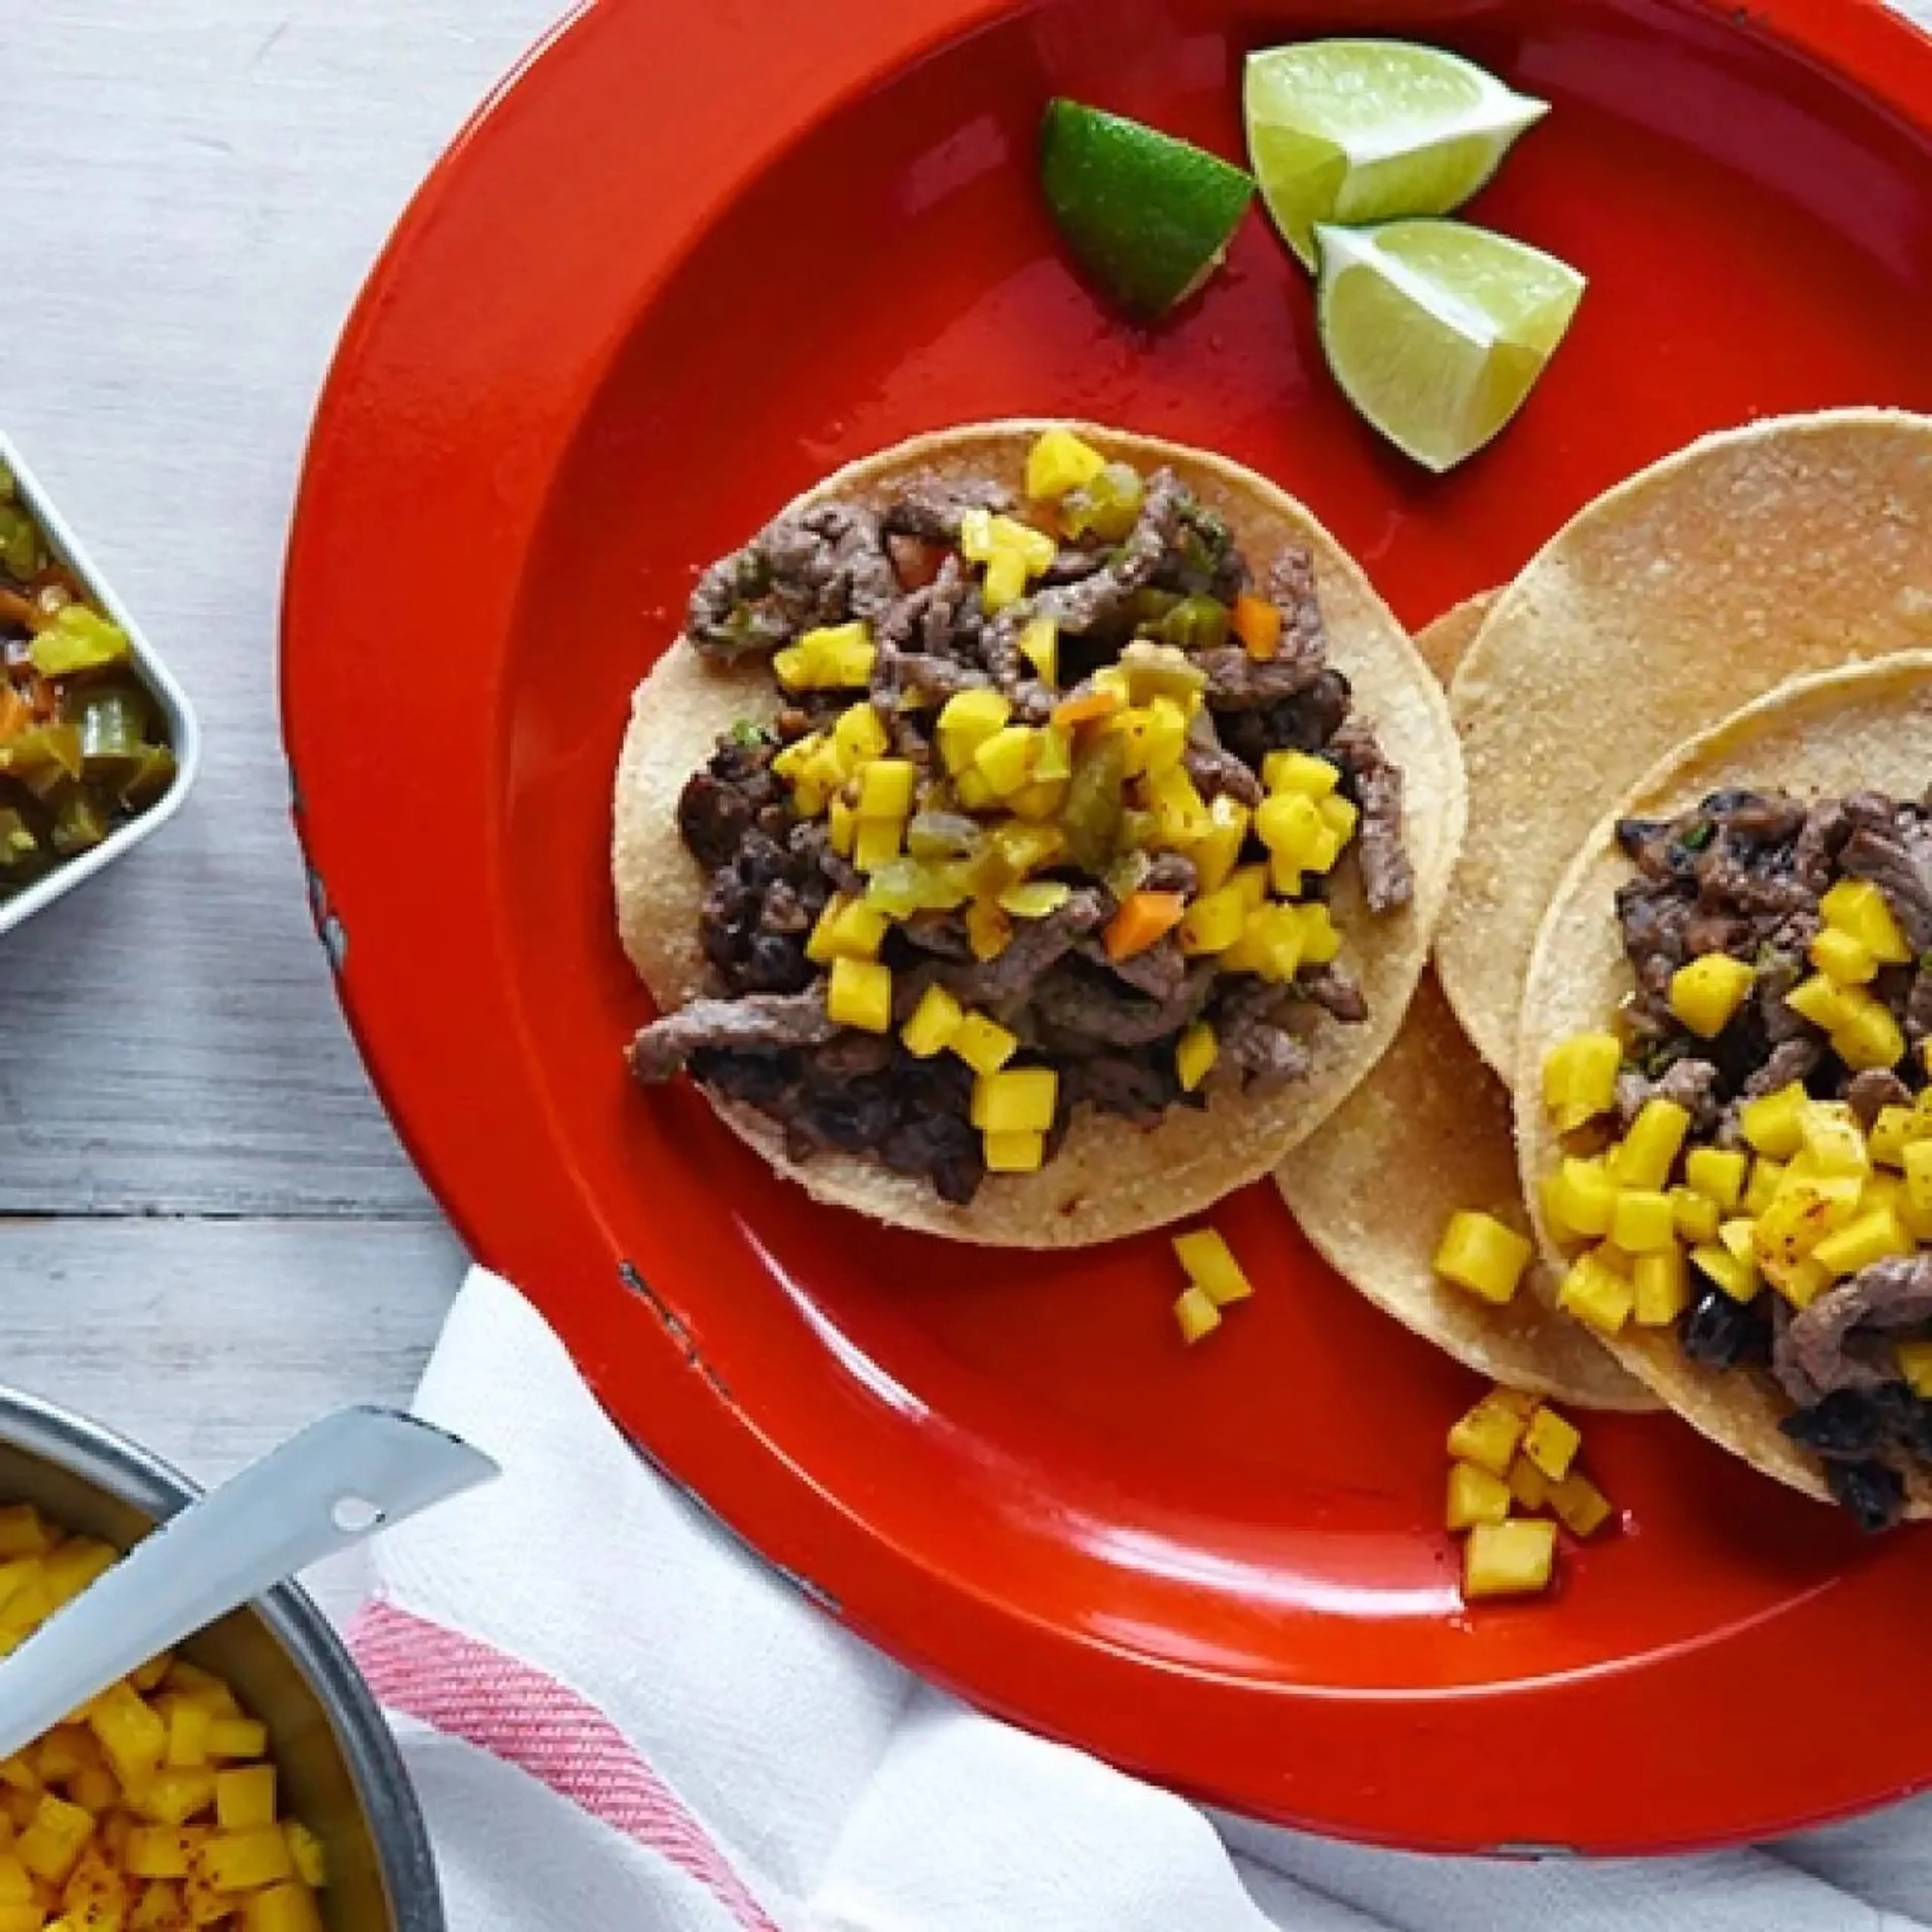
[1037, 832]
[1724, 1105]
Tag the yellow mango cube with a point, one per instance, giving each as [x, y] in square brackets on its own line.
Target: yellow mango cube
[1211, 1265]
[1489, 1434]
[1299, 771]
[162, 1851]
[1005, 582]
[1876, 1237]
[1859, 908]
[1706, 994]
[1738, 1277]
[1320, 941]
[1551, 1442]
[1195, 1311]
[1217, 852]
[983, 1044]
[1005, 758]
[860, 737]
[1844, 961]
[967, 719]
[1803, 1210]
[1643, 1221]
[1508, 1559]
[1717, 1174]
[1588, 1196]
[1579, 1505]
[1767, 1176]
[1579, 1078]
[1834, 1139]
[1529, 1486]
[1059, 462]
[875, 843]
[1820, 1000]
[174, 1797]
[310, 1856]
[1341, 816]
[1214, 922]
[1644, 1157]
[1195, 1054]
[22, 1531]
[886, 788]
[1040, 645]
[1015, 1099]
[281, 1908]
[1599, 1294]
[1695, 1215]
[245, 1797]
[134, 1734]
[1289, 823]
[53, 1841]
[1772, 1124]
[1661, 1286]
[159, 1908]
[1479, 1253]
[1801, 1282]
[1894, 1130]
[246, 1861]
[859, 994]
[1475, 1495]
[1868, 1038]
[1917, 1165]
[1915, 1364]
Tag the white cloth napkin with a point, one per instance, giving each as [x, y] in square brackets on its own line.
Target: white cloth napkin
[615, 1717]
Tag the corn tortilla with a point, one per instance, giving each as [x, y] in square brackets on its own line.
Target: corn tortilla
[1109, 1179]
[1869, 728]
[1432, 1113]
[1792, 545]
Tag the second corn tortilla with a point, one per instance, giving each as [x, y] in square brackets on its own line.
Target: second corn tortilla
[1428, 1133]
[1792, 545]
[1868, 728]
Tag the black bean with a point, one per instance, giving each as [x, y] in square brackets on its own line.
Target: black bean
[1874, 1493]
[1722, 1333]
[1845, 1425]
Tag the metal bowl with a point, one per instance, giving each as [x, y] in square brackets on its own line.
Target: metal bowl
[339, 1768]
[184, 732]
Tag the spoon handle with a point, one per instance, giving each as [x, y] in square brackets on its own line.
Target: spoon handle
[340, 1480]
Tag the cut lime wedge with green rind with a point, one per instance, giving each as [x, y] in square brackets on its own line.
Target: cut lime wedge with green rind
[1361, 131]
[1148, 217]
[1437, 331]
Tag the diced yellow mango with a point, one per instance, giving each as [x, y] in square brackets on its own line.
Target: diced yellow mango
[16, 1882]
[886, 788]
[1489, 1434]
[1040, 645]
[1508, 1559]
[246, 1861]
[859, 994]
[1195, 1312]
[983, 1044]
[1894, 1130]
[1868, 1037]
[1644, 1157]
[1289, 823]
[1252, 882]
[1179, 809]
[1872, 1238]
[1211, 1265]
[989, 928]
[860, 735]
[1803, 1211]
[1844, 961]
[310, 1855]
[1915, 1364]
[1058, 462]
[53, 1841]
[281, 1908]
[1529, 1486]
[1589, 1195]
[1737, 1277]
[1213, 922]
[1039, 802]
[1551, 1442]
[1580, 1506]
[161, 1851]
[1013, 1150]
[1771, 1122]
[1857, 908]
[159, 1908]
[1320, 941]
[174, 1797]
[1005, 582]
[1579, 1078]
[876, 843]
[1661, 1286]
[1918, 1176]
[1717, 1174]
[134, 1734]
[1216, 853]
[1475, 1495]
[1801, 1282]
[22, 1531]
[1004, 758]
[1479, 1253]
[1341, 816]
[1767, 1176]
[1643, 1222]
[1195, 1054]
[245, 1798]
[1707, 993]
[1695, 1215]
[1833, 1139]
[968, 718]
[1821, 1001]
[26, 1917]
[69, 1569]
[1598, 1293]
[1015, 1099]
[935, 1022]
[1299, 771]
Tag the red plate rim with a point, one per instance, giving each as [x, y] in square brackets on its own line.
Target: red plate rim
[418, 946]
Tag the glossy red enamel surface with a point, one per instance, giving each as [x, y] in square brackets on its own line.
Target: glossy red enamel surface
[690, 259]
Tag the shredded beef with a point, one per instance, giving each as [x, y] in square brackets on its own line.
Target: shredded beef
[1387, 880]
[1899, 862]
[1217, 773]
[1036, 945]
[931, 507]
[751, 1022]
[1081, 1003]
[1870, 1093]
[1837, 1343]
[819, 566]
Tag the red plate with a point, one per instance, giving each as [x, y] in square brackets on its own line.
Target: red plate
[691, 258]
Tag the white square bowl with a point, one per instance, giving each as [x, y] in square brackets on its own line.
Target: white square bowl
[184, 732]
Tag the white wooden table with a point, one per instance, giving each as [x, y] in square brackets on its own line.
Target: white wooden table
[207, 1233]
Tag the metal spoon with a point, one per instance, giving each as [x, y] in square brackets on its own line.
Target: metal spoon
[340, 1481]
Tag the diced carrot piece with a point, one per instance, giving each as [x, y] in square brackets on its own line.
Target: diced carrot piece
[1087, 706]
[1142, 919]
[1257, 624]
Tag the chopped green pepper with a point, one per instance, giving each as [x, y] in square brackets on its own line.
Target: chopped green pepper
[77, 639]
[19, 544]
[1197, 623]
[151, 780]
[42, 756]
[1107, 508]
[17, 842]
[80, 823]
[1090, 817]
[113, 726]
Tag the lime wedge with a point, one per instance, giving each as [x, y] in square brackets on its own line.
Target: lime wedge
[1436, 331]
[1149, 218]
[1361, 130]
